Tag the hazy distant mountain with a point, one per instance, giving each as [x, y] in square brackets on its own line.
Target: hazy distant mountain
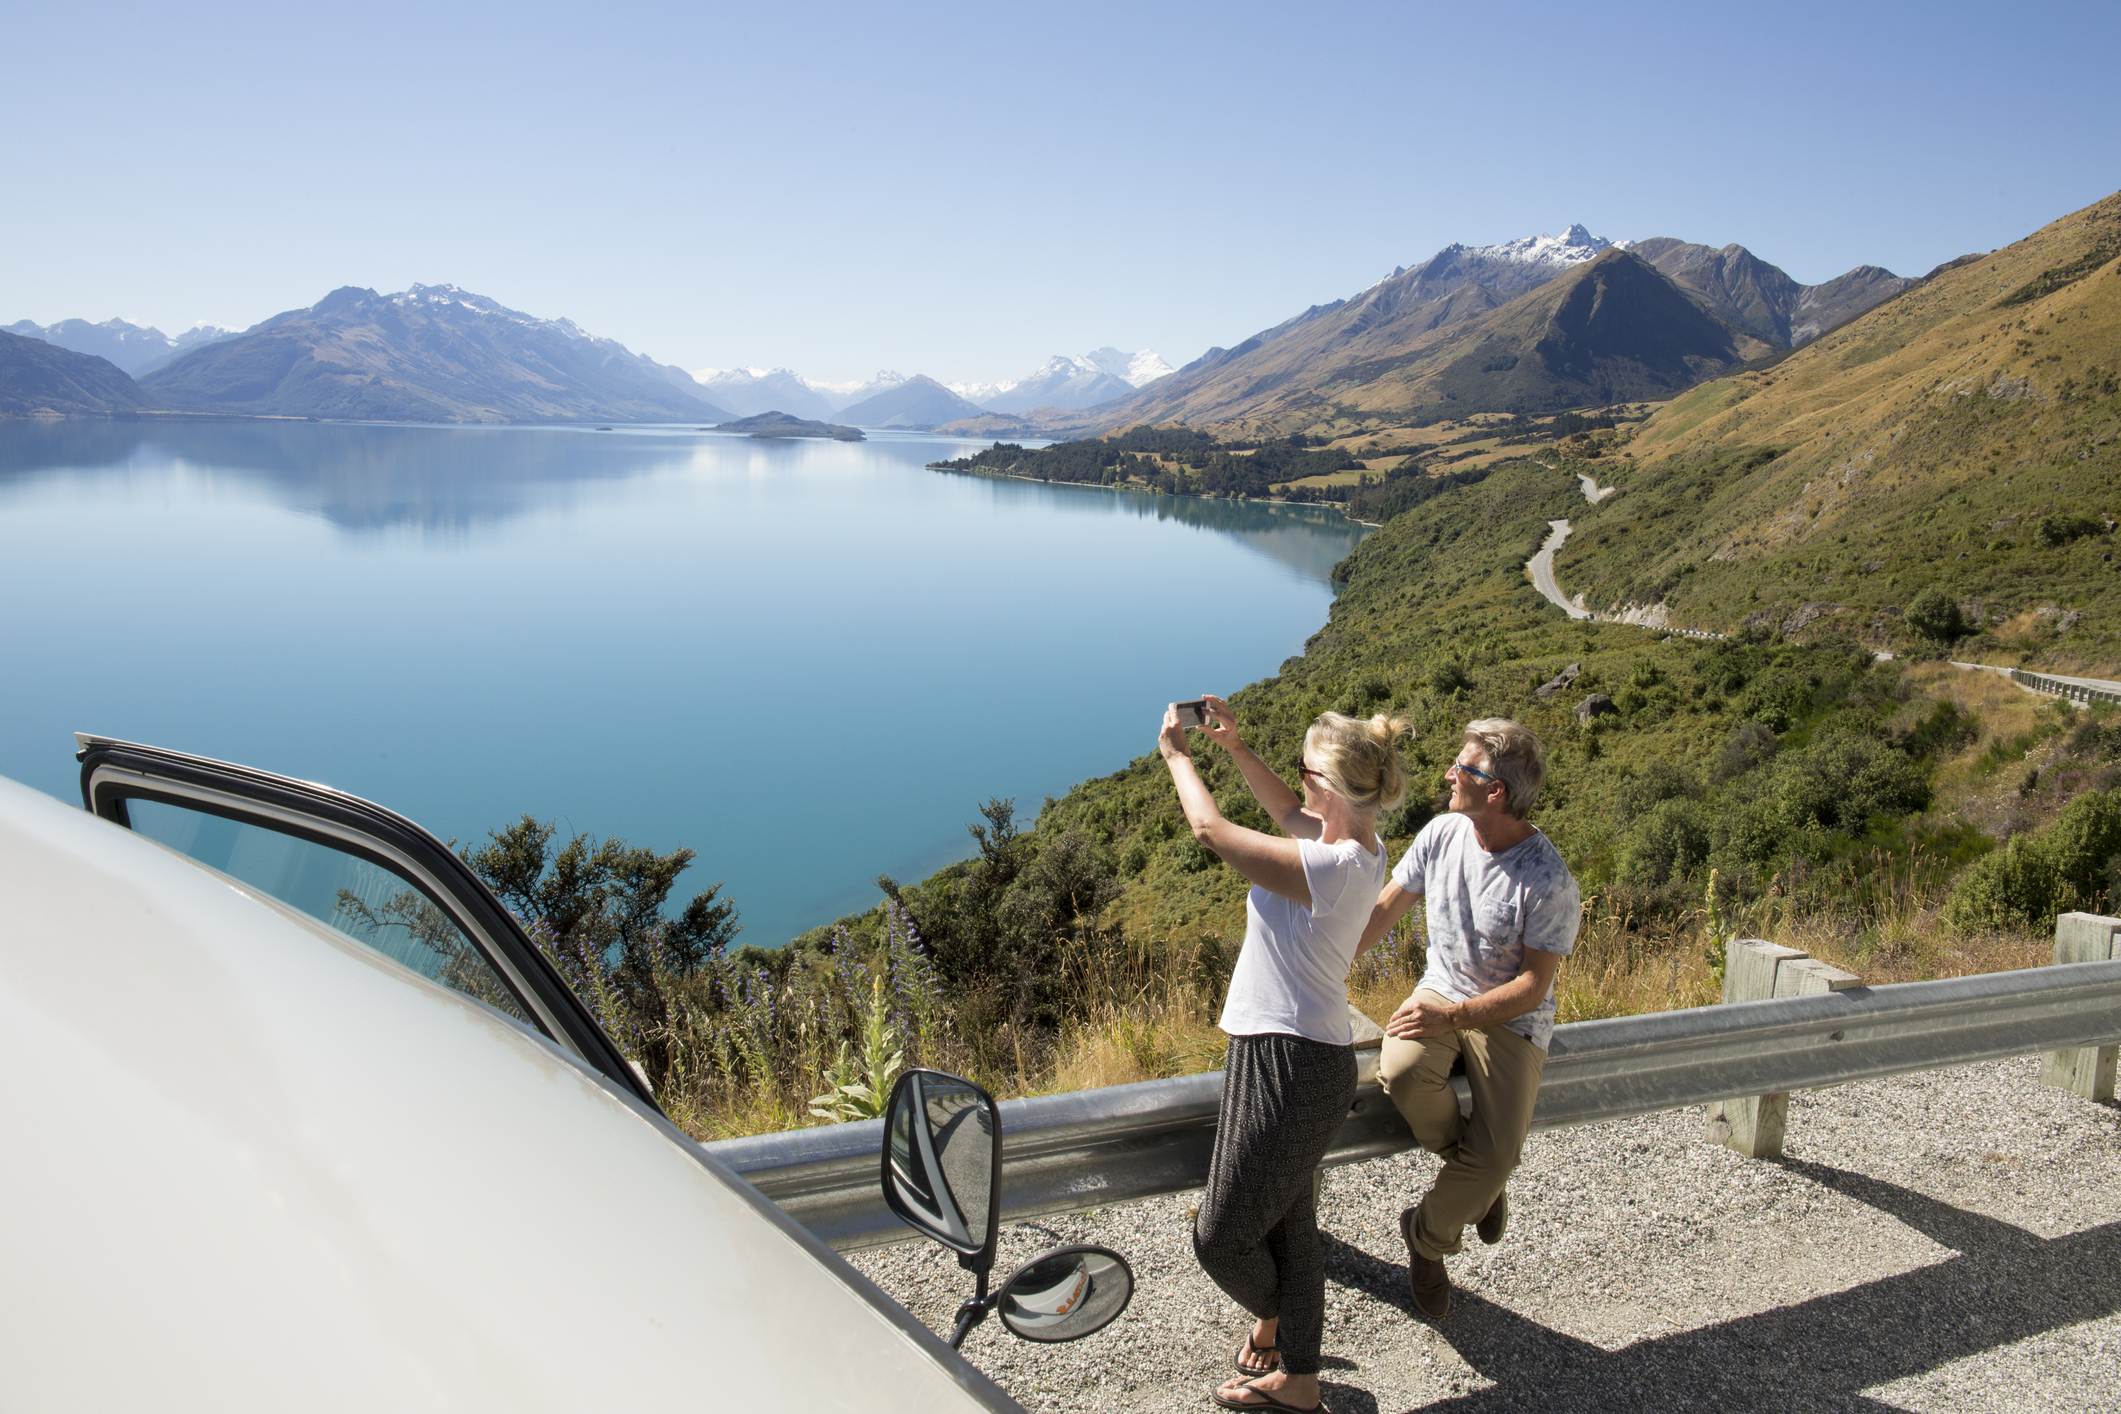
[1140, 368]
[846, 395]
[40, 378]
[1060, 381]
[918, 402]
[131, 347]
[434, 353]
[1066, 383]
[750, 391]
[1384, 351]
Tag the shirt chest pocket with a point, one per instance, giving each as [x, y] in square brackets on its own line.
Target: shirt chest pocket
[1496, 917]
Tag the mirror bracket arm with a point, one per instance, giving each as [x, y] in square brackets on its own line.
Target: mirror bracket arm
[971, 1314]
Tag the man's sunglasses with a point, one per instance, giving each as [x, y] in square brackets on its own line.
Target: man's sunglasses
[1473, 771]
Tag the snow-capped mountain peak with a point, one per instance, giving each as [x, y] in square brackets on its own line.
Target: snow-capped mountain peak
[1141, 367]
[1572, 247]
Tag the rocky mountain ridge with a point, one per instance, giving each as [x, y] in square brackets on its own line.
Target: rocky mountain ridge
[1332, 361]
[432, 353]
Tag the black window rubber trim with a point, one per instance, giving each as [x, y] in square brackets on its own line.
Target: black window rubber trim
[468, 893]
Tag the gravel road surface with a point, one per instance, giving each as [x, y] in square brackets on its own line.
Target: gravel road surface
[1948, 1241]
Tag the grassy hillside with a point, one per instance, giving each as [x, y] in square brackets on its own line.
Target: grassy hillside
[1962, 436]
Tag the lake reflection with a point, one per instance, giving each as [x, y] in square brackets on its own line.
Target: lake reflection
[810, 661]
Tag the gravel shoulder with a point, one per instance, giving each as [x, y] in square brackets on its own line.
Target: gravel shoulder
[1947, 1241]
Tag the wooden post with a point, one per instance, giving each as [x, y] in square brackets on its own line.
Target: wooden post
[2084, 1070]
[1753, 970]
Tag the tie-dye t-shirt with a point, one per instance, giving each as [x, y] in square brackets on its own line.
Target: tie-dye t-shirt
[1485, 909]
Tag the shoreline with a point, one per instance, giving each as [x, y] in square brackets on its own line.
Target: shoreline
[1140, 490]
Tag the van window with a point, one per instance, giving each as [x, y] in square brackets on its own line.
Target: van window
[361, 899]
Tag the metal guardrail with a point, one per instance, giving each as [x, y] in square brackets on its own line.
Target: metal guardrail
[2062, 687]
[1065, 1153]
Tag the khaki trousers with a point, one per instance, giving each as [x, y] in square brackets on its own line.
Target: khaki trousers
[1479, 1153]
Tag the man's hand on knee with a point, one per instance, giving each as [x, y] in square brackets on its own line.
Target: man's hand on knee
[1419, 1018]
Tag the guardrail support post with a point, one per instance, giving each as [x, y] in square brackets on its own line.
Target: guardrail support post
[1753, 971]
[2084, 1070]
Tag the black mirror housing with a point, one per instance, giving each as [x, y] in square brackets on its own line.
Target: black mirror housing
[942, 1163]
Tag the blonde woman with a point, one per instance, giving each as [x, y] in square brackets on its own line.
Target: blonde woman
[1291, 1073]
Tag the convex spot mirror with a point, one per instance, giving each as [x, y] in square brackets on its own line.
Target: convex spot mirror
[1066, 1294]
[942, 1175]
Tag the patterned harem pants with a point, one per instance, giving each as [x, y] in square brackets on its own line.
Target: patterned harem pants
[1284, 1098]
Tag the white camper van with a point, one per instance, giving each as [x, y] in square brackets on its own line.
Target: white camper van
[256, 1161]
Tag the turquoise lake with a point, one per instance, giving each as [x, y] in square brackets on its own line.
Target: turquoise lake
[809, 661]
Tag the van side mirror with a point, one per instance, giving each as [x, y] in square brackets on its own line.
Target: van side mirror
[942, 1176]
[943, 1163]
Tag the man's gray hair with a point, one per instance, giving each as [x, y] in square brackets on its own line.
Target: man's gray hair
[1515, 757]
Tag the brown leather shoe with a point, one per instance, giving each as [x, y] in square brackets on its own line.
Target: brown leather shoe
[1427, 1281]
[1495, 1221]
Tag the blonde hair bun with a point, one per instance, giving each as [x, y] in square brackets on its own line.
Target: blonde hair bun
[1360, 759]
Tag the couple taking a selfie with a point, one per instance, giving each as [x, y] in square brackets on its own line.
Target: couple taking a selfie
[1502, 911]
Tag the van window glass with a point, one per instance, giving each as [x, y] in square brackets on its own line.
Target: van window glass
[362, 900]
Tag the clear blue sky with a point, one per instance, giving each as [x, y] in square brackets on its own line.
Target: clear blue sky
[963, 190]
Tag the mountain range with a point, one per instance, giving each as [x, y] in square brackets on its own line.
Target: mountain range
[1068, 382]
[1532, 325]
[751, 391]
[133, 348]
[1527, 326]
[433, 353]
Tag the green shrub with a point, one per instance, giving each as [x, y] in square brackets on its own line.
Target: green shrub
[1750, 744]
[2061, 527]
[1447, 678]
[2070, 864]
[1661, 780]
[2083, 842]
[1843, 779]
[1935, 614]
[1671, 841]
[2017, 885]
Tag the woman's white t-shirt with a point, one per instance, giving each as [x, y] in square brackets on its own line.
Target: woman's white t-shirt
[1292, 974]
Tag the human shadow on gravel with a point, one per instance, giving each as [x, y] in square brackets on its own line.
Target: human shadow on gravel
[2004, 1285]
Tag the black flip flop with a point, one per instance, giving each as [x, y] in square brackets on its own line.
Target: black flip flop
[1265, 1401]
[1251, 1349]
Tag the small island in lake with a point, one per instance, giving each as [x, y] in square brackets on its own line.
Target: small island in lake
[780, 424]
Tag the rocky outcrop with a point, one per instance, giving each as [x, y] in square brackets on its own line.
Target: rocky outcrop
[1560, 680]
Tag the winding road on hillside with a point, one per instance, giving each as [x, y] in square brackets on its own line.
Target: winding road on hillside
[1541, 566]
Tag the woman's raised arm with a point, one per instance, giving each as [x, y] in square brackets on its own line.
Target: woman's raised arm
[1273, 864]
[1283, 806]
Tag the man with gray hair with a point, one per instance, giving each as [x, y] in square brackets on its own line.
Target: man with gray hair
[1502, 912]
